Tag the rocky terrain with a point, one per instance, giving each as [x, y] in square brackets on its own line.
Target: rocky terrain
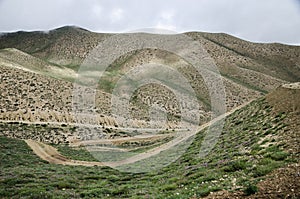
[32, 97]
[30, 93]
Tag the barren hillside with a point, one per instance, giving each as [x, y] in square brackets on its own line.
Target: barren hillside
[29, 60]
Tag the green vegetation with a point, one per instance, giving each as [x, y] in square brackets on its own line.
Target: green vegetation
[236, 161]
[114, 72]
[76, 154]
[250, 189]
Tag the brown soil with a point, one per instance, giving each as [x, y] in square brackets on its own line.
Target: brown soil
[286, 99]
[281, 183]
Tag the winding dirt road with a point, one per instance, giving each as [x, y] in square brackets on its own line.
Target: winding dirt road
[50, 154]
[118, 141]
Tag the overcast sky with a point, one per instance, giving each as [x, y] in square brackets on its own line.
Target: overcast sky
[254, 20]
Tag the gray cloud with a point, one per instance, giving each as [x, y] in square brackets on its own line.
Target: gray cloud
[254, 20]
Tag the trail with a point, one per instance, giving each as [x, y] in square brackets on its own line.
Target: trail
[84, 125]
[137, 138]
[50, 154]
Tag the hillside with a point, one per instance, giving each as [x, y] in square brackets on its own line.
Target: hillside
[66, 45]
[18, 59]
[70, 45]
[257, 154]
[248, 70]
[276, 60]
[57, 132]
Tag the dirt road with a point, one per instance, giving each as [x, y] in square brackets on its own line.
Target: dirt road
[121, 140]
[51, 154]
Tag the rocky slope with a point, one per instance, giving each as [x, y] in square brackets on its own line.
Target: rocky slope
[248, 71]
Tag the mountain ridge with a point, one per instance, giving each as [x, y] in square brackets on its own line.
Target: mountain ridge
[245, 67]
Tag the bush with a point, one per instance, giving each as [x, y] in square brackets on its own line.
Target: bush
[205, 191]
[250, 189]
[95, 193]
[262, 170]
[235, 166]
[266, 161]
[278, 156]
[168, 187]
[65, 185]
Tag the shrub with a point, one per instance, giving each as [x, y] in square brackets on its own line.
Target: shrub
[169, 187]
[235, 166]
[65, 185]
[250, 189]
[261, 171]
[278, 156]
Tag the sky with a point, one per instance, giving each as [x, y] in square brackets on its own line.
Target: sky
[252, 20]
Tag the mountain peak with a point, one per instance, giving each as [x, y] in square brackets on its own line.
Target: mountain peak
[70, 28]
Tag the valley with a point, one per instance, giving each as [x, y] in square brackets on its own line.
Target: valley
[60, 135]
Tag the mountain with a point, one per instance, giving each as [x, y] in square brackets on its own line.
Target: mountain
[57, 132]
[63, 46]
[248, 70]
[70, 45]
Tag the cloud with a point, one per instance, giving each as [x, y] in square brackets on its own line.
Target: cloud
[166, 20]
[116, 14]
[97, 11]
[167, 15]
[254, 20]
[165, 26]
